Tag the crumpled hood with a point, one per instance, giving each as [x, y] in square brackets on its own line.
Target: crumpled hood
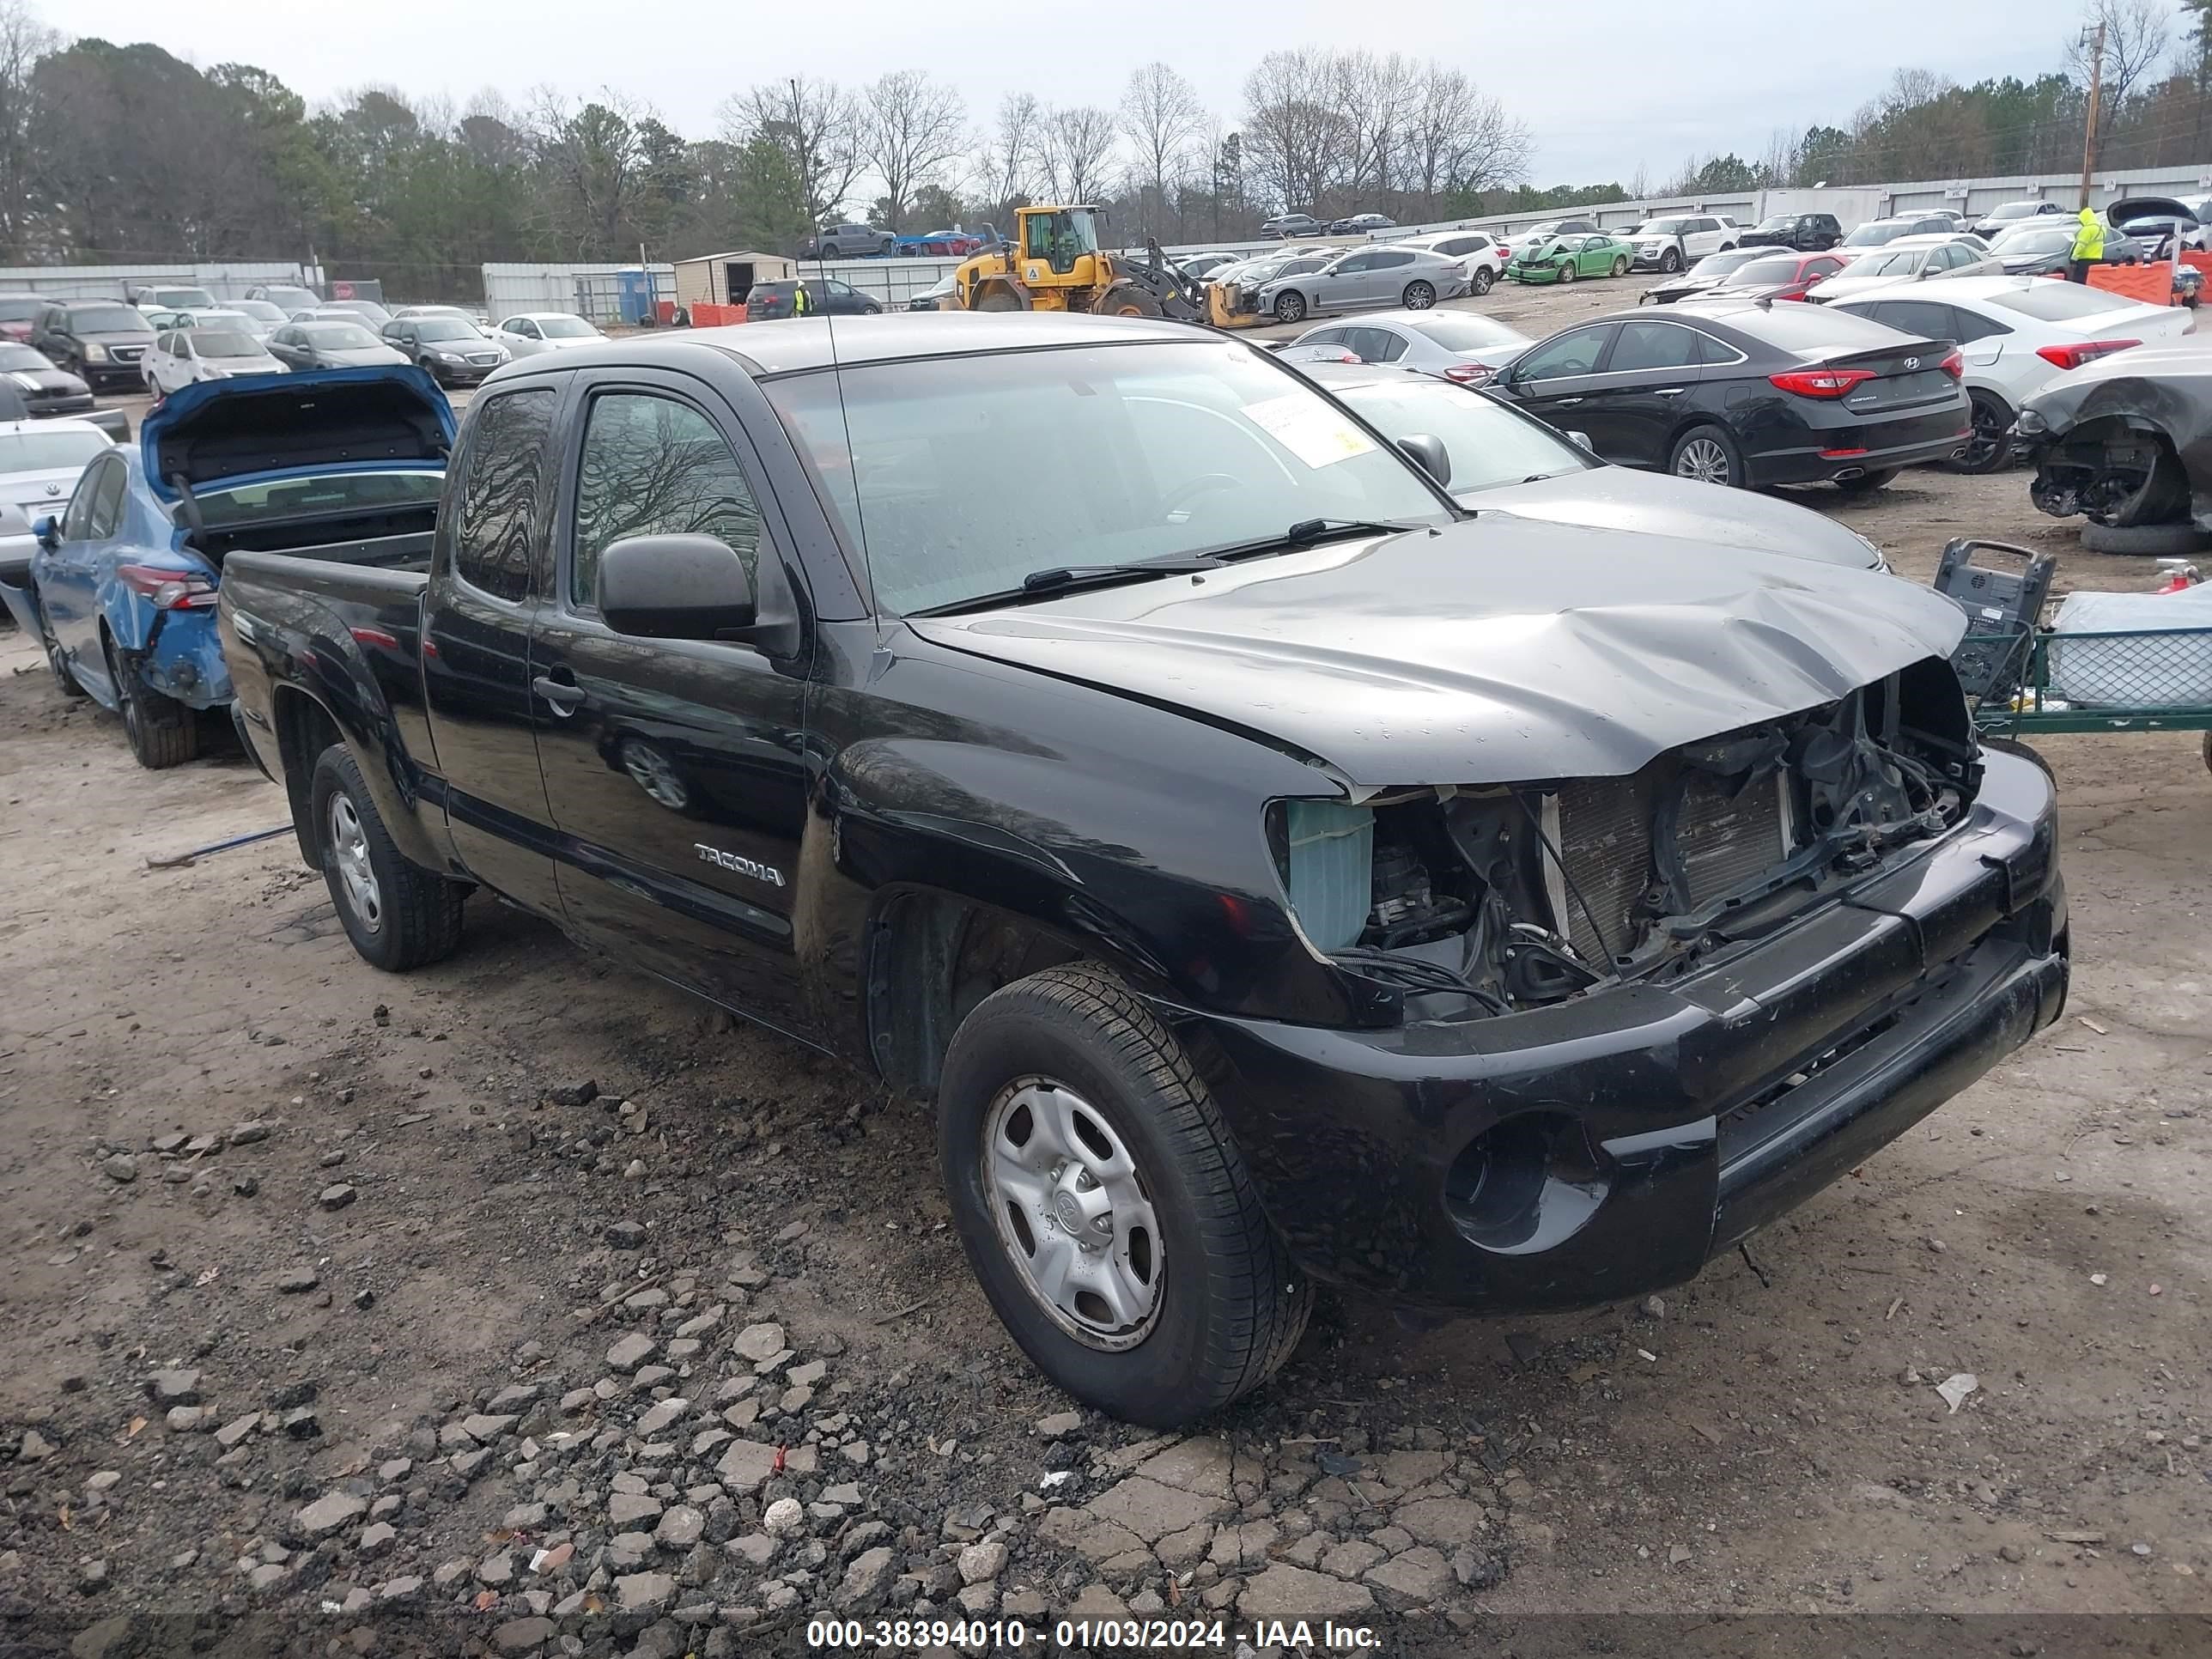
[1503, 650]
[1659, 504]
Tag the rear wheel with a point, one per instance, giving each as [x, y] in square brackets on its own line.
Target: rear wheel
[1290, 307]
[163, 732]
[397, 914]
[1620, 267]
[1990, 446]
[1867, 482]
[1105, 1209]
[1482, 282]
[1707, 455]
[2146, 540]
[1417, 296]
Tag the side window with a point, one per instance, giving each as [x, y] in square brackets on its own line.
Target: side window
[1388, 261]
[106, 503]
[76, 518]
[504, 474]
[1818, 268]
[1653, 345]
[1375, 345]
[1570, 354]
[1326, 337]
[1352, 263]
[653, 466]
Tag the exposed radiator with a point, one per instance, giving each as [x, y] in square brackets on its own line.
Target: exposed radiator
[1604, 830]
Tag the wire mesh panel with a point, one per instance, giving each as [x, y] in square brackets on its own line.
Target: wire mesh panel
[2158, 680]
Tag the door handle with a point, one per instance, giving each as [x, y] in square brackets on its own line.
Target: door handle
[563, 696]
[1670, 391]
[1566, 403]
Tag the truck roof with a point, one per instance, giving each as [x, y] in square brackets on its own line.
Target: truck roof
[792, 344]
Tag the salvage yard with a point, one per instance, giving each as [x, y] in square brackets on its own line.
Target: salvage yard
[402, 1305]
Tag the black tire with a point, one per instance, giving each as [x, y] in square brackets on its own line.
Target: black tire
[1670, 261]
[1686, 459]
[2014, 746]
[1230, 1305]
[1620, 267]
[1569, 272]
[162, 732]
[1867, 482]
[1417, 296]
[1482, 282]
[1991, 447]
[2162, 498]
[2146, 540]
[1290, 307]
[416, 918]
[57, 663]
[998, 299]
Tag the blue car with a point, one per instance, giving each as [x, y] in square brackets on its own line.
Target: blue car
[342, 465]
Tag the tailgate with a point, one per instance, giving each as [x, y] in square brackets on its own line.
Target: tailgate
[1905, 376]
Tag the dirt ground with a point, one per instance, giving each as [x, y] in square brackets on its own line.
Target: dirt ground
[403, 1244]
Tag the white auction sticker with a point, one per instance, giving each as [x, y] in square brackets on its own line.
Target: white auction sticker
[1308, 429]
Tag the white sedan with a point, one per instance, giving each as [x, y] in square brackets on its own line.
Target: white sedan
[2018, 334]
[527, 333]
[39, 461]
[1907, 260]
[182, 355]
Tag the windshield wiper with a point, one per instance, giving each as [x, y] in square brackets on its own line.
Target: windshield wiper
[1057, 579]
[1307, 531]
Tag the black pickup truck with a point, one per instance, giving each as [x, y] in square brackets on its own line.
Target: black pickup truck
[1273, 872]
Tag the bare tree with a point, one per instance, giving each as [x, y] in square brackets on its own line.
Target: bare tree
[24, 40]
[1292, 130]
[1079, 143]
[1460, 139]
[1007, 169]
[2136, 33]
[1163, 117]
[914, 128]
[816, 123]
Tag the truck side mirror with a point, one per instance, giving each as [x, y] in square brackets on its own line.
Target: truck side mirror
[675, 587]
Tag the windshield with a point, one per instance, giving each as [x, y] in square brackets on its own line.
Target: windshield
[1489, 445]
[109, 319]
[1719, 264]
[21, 357]
[297, 299]
[1762, 270]
[1902, 263]
[1876, 233]
[48, 452]
[339, 336]
[1663, 228]
[446, 328]
[2014, 211]
[17, 311]
[368, 308]
[223, 342]
[961, 475]
[1778, 222]
[1466, 331]
[2038, 240]
[342, 492]
[576, 328]
[261, 311]
[183, 299]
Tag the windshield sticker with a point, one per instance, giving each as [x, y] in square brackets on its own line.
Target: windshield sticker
[1308, 429]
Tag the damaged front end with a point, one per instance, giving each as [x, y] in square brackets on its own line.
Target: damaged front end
[1471, 900]
[2124, 439]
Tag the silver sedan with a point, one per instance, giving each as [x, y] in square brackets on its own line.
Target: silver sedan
[1376, 275]
[1453, 345]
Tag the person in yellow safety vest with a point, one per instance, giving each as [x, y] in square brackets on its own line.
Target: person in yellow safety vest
[801, 301]
[2088, 246]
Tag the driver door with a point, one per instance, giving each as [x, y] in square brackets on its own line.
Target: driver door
[1552, 380]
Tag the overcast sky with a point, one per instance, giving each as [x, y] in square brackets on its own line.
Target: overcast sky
[1604, 85]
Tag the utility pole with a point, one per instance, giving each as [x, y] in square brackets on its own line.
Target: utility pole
[2096, 91]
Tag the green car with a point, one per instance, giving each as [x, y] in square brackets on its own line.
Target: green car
[1563, 258]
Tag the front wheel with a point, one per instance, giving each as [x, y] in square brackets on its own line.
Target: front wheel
[397, 914]
[57, 658]
[1290, 307]
[1417, 296]
[1104, 1206]
[1567, 271]
[1620, 267]
[1671, 261]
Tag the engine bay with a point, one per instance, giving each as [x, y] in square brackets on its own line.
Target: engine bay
[1502, 897]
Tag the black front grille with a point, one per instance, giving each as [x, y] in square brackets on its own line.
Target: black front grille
[1721, 841]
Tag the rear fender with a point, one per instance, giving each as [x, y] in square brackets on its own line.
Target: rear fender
[328, 691]
[183, 659]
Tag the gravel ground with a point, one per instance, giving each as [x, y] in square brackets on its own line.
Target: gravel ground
[519, 1305]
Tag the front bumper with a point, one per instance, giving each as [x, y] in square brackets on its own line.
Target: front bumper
[1532, 273]
[1608, 1147]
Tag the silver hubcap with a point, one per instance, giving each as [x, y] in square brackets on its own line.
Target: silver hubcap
[1419, 298]
[1072, 1214]
[649, 769]
[1704, 460]
[356, 875]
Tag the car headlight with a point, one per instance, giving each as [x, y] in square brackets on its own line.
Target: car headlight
[448, 357]
[95, 352]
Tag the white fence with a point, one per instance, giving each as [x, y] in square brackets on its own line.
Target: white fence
[587, 290]
[225, 280]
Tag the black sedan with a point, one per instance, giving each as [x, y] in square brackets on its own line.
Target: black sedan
[2042, 248]
[46, 390]
[453, 349]
[1750, 395]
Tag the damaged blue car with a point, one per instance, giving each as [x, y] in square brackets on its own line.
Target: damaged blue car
[340, 464]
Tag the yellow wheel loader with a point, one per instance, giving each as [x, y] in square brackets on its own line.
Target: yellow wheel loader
[1055, 264]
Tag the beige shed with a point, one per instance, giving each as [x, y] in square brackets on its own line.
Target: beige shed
[724, 279]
